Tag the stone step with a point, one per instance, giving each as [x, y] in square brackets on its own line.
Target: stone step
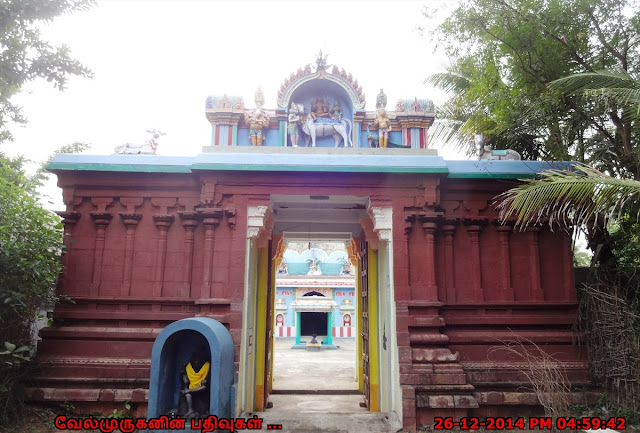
[313, 422]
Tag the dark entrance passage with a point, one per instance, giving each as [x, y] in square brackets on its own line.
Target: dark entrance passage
[313, 323]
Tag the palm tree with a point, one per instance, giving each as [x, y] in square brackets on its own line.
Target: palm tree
[617, 94]
[584, 196]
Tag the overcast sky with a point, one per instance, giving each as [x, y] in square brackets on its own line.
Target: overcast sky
[155, 62]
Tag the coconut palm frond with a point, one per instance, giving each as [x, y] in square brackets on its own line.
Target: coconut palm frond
[449, 82]
[579, 83]
[621, 97]
[458, 133]
[567, 198]
[446, 132]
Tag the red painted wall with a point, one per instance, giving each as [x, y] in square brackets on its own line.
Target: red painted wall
[463, 283]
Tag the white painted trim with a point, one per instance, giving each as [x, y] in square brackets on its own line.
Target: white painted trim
[382, 222]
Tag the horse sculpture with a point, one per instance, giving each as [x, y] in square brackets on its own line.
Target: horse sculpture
[338, 130]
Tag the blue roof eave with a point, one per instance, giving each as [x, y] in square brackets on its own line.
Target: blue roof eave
[332, 162]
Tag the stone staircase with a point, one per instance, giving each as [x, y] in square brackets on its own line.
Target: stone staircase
[312, 422]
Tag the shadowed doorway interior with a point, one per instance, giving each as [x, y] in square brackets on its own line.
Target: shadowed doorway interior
[313, 323]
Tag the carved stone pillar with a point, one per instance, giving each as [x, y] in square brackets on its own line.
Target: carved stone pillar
[130, 221]
[162, 222]
[189, 222]
[504, 238]
[69, 220]
[449, 269]
[474, 229]
[401, 267]
[210, 220]
[430, 291]
[534, 264]
[101, 220]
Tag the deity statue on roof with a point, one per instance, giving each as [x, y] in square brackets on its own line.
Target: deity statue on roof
[257, 121]
[381, 100]
[259, 97]
[294, 120]
[383, 124]
[319, 108]
[336, 111]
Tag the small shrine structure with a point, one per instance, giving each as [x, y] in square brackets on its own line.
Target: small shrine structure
[324, 102]
[315, 294]
[441, 286]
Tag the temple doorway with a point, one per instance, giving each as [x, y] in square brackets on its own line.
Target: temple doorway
[316, 294]
[326, 273]
[313, 323]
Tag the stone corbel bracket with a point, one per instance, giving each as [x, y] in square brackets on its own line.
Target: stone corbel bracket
[257, 222]
[382, 221]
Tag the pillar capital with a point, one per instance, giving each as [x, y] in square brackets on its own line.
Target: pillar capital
[189, 220]
[429, 226]
[504, 228]
[163, 222]
[69, 217]
[130, 219]
[475, 223]
[101, 218]
[449, 226]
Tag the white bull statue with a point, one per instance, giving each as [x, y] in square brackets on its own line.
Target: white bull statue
[487, 154]
[149, 147]
[339, 131]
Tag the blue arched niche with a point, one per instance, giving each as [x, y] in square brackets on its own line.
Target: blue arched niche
[173, 348]
[307, 93]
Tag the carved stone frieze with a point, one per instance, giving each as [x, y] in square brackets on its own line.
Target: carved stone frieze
[131, 203]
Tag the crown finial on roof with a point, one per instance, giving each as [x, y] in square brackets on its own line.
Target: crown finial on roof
[259, 97]
[381, 100]
[321, 62]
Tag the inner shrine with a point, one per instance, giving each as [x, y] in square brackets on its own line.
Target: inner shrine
[440, 287]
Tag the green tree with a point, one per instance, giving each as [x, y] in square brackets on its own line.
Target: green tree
[30, 248]
[26, 57]
[587, 197]
[504, 54]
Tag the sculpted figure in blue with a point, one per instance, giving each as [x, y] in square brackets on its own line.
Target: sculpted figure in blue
[294, 121]
[319, 109]
[336, 111]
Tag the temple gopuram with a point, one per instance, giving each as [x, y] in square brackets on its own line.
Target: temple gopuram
[441, 289]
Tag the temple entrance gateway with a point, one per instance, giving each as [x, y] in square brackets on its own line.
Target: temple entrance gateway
[437, 281]
[320, 298]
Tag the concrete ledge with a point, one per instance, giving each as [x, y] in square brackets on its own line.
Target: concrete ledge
[318, 150]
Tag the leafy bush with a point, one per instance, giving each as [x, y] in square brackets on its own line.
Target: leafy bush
[30, 248]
